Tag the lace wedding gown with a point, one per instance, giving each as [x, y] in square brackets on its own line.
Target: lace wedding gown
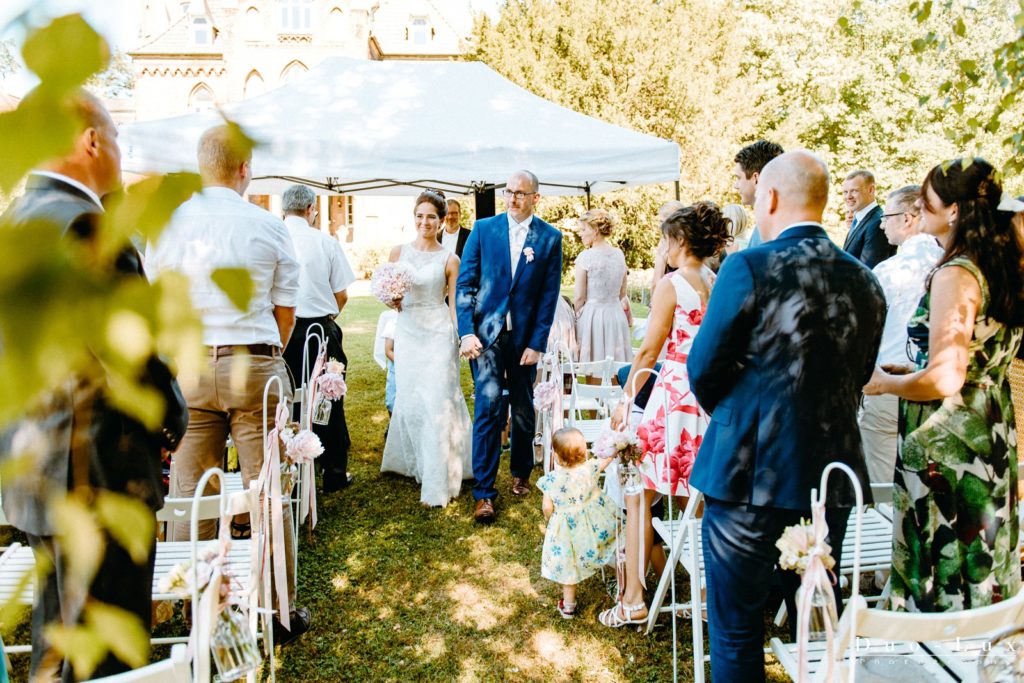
[430, 436]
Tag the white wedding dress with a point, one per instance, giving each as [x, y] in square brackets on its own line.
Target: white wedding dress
[430, 437]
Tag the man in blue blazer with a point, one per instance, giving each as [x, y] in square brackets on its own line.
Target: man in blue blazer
[505, 301]
[788, 340]
[866, 240]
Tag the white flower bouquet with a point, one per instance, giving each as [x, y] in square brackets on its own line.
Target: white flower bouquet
[390, 282]
[301, 446]
[797, 544]
[624, 445]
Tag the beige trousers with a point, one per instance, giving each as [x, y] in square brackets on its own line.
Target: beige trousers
[228, 401]
[879, 430]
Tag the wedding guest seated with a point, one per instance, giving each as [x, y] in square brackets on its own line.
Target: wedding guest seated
[955, 531]
[692, 234]
[903, 280]
[601, 324]
[580, 536]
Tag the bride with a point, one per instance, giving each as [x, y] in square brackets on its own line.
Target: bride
[430, 433]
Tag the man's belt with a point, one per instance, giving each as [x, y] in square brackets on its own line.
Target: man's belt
[250, 349]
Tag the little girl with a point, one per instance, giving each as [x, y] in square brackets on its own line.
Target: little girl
[580, 536]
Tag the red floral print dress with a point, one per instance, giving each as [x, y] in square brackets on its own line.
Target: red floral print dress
[687, 421]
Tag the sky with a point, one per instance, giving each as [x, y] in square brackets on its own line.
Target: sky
[117, 20]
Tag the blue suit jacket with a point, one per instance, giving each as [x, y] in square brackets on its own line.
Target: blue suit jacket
[486, 290]
[788, 340]
[867, 242]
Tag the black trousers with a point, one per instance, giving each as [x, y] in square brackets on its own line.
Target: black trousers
[118, 582]
[333, 435]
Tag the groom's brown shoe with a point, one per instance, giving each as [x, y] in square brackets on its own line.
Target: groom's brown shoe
[520, 487]
[484, 511]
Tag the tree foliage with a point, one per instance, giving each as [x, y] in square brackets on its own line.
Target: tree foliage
[840, 77]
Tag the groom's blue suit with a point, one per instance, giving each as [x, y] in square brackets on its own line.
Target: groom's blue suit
[486, 296]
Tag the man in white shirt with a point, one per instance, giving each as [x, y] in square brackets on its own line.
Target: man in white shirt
[324, 277]
[903, 279]
[451, 236]
[217, 229]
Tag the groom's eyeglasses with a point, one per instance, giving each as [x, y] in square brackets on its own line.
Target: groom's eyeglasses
[509, 194]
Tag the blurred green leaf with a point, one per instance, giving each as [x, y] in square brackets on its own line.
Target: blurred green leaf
[145, 208]
[236, 283]
[129, 521]
[80, 537]
[46, 53]
[131, 642]
[959, 28]
[83, 646]
[41, 128]
[239, 140]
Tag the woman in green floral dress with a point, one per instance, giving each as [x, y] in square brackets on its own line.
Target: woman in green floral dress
[955, 533]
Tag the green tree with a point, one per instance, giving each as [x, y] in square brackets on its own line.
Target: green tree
[8, 64]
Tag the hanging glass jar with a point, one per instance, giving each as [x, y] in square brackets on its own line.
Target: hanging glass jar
[233, 646]
[289, 476]
[629, 478]
[822, 606]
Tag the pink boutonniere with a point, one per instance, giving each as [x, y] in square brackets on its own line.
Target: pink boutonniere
[528, 253]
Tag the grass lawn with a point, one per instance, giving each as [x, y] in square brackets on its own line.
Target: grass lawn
[399, 592]
[403, 593]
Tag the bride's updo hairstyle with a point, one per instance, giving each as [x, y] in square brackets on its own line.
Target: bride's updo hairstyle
[600, 220]
[701, 227]
[436, 199]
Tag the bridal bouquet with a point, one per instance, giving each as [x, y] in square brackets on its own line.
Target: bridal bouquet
[301, 446]
[390, 282]
[332, 382]
[624, 445]
[798, 544]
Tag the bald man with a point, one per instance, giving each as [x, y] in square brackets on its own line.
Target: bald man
[789, 338]
[91, 444]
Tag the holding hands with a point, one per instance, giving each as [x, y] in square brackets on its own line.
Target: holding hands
[470, 347]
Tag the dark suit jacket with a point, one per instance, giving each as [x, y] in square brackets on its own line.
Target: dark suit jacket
[486, 290]
[460, 241]
[788, 341]
[867, 242]
[123, 456]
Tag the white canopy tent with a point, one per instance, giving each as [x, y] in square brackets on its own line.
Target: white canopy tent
[362, 127]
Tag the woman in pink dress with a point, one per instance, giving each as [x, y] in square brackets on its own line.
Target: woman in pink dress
[693, 234]
[602, 328]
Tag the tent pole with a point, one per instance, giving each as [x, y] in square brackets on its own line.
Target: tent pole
[483, 197]
[587, 187]
[677, 190]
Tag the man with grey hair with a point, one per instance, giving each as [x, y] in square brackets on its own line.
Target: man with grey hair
[324, 277]
[789, 337]
[218, 229]
[865, 241]
[903, 279]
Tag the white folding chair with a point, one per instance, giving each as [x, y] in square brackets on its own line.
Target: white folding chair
[174, 669]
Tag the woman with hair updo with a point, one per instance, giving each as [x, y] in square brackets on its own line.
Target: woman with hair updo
[692, 234]
[429, 434]
[602, 329]
[740, 227]
[956, 530]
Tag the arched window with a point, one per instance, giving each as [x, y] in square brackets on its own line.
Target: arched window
[336, 28]
[253, 85]
[202, 32]
[293, 71]
[201, 99]
[252, 24]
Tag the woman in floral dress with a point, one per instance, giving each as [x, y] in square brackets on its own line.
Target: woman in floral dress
[955, 533]
[693, 234]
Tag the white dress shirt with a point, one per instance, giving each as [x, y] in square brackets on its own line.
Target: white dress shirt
[449, 240]
[859, 215]
[903, 279]
[217, 228]
[516, 238]
[324, 269]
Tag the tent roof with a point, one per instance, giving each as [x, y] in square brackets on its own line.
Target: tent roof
[363, 127]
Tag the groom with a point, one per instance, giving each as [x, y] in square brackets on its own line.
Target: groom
[505, 298]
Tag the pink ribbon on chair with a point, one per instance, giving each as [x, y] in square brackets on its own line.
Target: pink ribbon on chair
[641, 559]
[816, 576]
[271, 473]
[307, 502]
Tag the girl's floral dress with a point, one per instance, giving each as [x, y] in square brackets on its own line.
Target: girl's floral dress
[580, 537]
[687, 421]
